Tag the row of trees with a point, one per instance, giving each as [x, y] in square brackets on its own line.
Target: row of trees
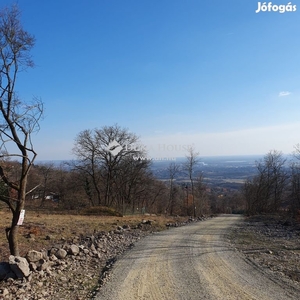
[276, 186]
[109, 171]
[118, 176]
[72, 189]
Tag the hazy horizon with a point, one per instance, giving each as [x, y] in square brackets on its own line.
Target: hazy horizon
[229, 158]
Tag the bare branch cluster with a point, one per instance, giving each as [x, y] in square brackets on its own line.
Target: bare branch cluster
[108, 161]
[18, 118]
[266, 191]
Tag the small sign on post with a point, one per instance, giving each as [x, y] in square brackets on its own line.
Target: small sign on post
[21, 217]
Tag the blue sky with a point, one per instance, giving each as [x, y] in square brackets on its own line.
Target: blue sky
[212, 74]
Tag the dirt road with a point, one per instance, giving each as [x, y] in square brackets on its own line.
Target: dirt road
[192, 262]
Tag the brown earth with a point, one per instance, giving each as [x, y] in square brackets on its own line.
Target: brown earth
[42, 230]
[272, 242]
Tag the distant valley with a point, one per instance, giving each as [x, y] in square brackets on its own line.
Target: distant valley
[220, 172]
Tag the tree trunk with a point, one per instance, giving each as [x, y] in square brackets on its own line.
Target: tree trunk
[194, 207]
[12, 234]
[13, 240]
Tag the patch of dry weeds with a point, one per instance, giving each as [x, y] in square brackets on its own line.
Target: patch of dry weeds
[42, 230]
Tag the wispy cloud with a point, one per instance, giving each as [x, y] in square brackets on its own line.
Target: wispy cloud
[283, 94]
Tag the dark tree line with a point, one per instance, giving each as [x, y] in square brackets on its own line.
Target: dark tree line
[276, 187]
[110, 163]
[109, 171]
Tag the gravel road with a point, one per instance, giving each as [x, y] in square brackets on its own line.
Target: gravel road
[193, 262]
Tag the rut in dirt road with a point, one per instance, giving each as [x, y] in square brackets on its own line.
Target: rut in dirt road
[192, 262]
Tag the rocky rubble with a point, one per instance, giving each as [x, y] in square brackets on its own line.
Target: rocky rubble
[71, 269]
[272, 242]
[189, 220]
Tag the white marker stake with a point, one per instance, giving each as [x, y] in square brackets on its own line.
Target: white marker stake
[21, 218]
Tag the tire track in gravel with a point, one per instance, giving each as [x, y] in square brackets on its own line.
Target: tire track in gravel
[192, 262]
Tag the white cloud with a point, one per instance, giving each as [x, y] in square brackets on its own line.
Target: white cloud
[283, 94]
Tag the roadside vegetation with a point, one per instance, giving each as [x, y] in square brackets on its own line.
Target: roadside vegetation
[276, 187]
[42, 230]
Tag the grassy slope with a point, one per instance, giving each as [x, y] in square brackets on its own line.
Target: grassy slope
[36, 226]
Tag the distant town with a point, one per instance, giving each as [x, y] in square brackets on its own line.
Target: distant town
[220, 173]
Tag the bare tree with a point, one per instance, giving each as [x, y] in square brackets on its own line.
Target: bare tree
[264, 193]
[192, 160]
[116, 145]
[129, 182]
[173, 170]
[200, 193]
[108, 155]
[295, 188]
[295, 182]
[88, 163]
[296, 152]
[46, 171]
[18, 119]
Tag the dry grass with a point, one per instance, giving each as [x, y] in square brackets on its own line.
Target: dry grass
[36, 226]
